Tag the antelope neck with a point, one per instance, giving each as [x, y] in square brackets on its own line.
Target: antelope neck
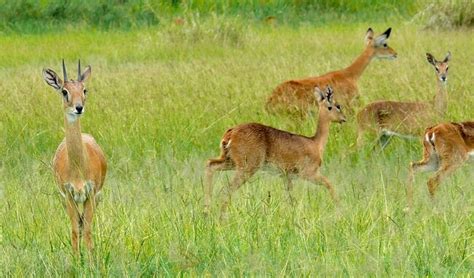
[440, 100]
[357, 67]
[322, 131]
[75, 149]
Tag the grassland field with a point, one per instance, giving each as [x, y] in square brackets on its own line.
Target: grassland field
[159, 102]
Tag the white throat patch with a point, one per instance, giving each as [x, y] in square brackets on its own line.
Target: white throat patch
[72, 117]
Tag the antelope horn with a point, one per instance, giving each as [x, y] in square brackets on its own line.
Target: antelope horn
[64, 72]
[329, 91]
[79, 70]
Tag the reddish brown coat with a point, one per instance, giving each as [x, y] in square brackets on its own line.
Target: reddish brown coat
[446, 147]
[79, 163]
[296, 96]
[405, 119]
[247, 148]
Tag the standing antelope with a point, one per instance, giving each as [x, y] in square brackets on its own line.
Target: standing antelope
[79, 163]
[297, 95]
[445, 148]
[405, 119]
[246, 148]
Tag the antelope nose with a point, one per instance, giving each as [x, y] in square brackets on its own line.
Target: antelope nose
[79, 109]
[443, 78]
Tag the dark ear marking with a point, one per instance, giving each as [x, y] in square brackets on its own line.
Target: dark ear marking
[52, 79]
[387, 32]
[369, 35]
[431, 59]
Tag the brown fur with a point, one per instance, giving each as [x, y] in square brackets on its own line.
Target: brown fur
[446, 147]
[79, 163]
[407, 119]
[296, 96]
[246, 148]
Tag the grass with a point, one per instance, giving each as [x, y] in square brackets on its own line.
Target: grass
[27, 16]
[159, 101]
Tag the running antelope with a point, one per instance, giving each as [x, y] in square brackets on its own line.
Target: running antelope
[405, 119]
[79, 163]
[446, 147]
[296, 96]
[246, 148]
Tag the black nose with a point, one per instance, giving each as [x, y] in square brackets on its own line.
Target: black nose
[79, 108]
[443, 78]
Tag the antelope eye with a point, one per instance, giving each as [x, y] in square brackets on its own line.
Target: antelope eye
[437, 69]
[64, 92]
[384, 45]
[85, 91]
[447, 68]
[338, 107]
[329, 108]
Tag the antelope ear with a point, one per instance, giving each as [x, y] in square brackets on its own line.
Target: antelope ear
[382, 38]
[369, 36]
[86, 74]
[431, 59]
[52, 79]
[318, 94]
[387, 32]
[448, 57]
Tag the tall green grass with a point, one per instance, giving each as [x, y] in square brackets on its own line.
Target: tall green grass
[51, 15]
[159, 101]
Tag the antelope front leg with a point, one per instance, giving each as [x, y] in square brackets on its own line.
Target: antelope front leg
[89, 207]
[73, 213]
[324, 181]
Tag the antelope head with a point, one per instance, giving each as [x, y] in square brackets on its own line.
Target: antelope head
[379, 45]
[441, 67]
[72, 91]
[328, 106]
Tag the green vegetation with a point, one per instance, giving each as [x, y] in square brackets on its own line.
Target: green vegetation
[38, 16]
[447, 14]
[160, 99]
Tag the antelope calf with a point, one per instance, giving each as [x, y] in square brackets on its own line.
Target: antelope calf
[405, 119]
[296, 96]
[445, 148]
[246, 148]
[79, 163]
